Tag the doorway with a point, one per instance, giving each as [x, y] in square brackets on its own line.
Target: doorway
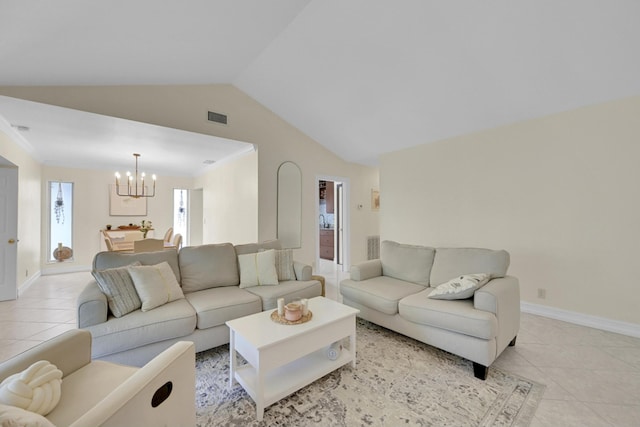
[332, 217]
[8, 229]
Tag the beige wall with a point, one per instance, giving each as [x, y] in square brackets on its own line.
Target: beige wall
[560, 193]
[185, 107]
[29, 208]
[230, 201]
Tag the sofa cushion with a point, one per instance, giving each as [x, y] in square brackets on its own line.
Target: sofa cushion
[104, 260]
[172, 320]
[452, 262]
[217, 305]
[407, 262]
[208, 266]
[460, 287]
[119, 289]
[456, 315]
[156, 285]
[258, 269]
[380, 293]
[289, 290]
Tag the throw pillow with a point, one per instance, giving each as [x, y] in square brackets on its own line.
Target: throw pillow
[156, 285]
[118, 287]
[284, 265]
[461, 287]
[258, 269]
[36, 389]
[11, 416]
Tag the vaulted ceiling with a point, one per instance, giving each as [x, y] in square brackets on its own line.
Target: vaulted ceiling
[361, 77]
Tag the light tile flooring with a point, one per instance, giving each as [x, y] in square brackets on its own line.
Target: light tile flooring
[592, 377]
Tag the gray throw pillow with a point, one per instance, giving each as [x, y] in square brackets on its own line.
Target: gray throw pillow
[461, 287]
[119, 289]
[284, 265]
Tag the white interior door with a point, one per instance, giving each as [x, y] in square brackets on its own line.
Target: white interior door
[8, 232]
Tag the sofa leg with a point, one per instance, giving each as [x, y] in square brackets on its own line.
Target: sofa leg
[480, 371]
[513, 341]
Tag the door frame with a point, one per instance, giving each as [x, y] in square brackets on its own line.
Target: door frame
[346, 215]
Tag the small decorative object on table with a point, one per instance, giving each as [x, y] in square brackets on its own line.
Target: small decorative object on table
[292, 313]
[334, 350]
[145, 227]
[305, 306]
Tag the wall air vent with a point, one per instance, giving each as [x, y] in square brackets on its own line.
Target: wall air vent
[217, 117]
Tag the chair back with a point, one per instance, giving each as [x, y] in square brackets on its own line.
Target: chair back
[148, 245]
[168, 235]
[177, 241]
[108, 242]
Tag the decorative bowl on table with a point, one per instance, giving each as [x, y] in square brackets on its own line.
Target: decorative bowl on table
[293, 311]
[128, 227]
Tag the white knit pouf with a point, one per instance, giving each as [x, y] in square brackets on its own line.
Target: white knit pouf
[36, 389]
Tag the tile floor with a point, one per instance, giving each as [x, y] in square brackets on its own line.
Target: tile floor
[592, 376]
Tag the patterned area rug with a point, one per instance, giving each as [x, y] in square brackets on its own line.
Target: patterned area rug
[397, 381]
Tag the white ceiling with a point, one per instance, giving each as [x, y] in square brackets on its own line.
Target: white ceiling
[361, 77]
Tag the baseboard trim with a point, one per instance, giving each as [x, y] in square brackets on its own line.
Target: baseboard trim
[64, 270]
[27, 284]
[609, 325]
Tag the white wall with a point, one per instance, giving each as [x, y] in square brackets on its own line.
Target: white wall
[91, 211]
[560, 193]
[185, 107]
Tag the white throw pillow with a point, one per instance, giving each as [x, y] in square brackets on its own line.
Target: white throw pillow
[12, 416]
[258, 269]
[36, 389]
[156, 285]
[461, 287]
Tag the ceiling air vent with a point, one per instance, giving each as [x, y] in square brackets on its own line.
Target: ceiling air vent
[217, 118]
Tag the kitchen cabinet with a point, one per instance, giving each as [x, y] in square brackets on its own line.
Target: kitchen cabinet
[326, 244]
[329, 196]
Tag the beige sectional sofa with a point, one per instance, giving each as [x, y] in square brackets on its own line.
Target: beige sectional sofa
[393, 292]
[209, 277]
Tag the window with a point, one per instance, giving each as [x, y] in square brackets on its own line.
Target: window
[180, 214]
[61, 216]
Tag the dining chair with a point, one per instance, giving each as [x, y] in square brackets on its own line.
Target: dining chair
[108, 243]
[168, 235]
[148, 245]
[177, 241]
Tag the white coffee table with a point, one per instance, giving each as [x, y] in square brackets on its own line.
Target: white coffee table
[284, 358]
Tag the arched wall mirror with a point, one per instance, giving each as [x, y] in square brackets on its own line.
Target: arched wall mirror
[289, 205]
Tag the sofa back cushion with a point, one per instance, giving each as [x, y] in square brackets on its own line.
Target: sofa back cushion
[252, 248]
[208, 266]
[105, 260]
[406, 262]
[453, 262]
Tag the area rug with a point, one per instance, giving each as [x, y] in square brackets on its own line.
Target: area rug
[397, 381]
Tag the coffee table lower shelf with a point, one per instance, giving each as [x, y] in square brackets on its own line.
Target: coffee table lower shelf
[287, 379]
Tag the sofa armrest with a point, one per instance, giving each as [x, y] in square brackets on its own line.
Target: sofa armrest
[159, 393]
[69, 351]
[302, 270]
[502, 297]
[366, 270]
[92, 306]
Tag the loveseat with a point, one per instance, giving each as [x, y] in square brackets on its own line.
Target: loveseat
[215, 285]
[98, 393]
[476, 324]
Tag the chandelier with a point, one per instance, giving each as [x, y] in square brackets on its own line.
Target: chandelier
[133, 188]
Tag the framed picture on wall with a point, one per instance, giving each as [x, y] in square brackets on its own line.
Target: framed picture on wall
[375, 200]
[125, 205]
